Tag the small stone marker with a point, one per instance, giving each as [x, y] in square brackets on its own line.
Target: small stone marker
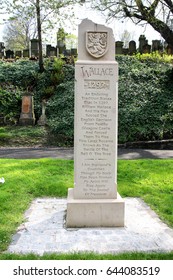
[42, 120]
[94, 201]
[34, 47]
[26, 53]
[27, 116]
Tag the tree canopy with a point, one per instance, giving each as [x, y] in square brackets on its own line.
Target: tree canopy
[47, 13]
[19, 31]
[157, 13]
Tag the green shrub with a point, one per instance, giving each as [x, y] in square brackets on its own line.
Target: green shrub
[47, 82]
[10, 103]
[145, 95]
[15, 79]
[25, 76]
[22, 73]
[145, 100]
[60, 110]
[155, 57]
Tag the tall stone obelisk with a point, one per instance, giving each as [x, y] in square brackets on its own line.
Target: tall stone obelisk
[94, 201]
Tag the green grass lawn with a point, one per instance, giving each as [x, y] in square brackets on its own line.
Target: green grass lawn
[152, 180]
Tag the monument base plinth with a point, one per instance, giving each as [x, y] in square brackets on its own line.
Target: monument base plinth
[94, 212]
[26, 121]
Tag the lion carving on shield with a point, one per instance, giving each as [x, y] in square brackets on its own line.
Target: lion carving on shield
[97, 43]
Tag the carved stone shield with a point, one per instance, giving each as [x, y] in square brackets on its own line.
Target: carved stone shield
[97, 43]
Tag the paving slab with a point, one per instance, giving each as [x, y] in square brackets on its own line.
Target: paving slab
[45, 231]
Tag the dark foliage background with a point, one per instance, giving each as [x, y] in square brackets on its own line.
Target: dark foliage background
[145, 96]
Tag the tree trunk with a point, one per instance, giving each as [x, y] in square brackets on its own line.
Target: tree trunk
[163, 29]
[41, 65]
[148, 14]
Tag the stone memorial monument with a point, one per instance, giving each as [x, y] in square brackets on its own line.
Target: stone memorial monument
[94, 201]
[27, 116]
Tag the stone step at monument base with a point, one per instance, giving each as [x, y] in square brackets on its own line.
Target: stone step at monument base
[94, 212]
[27, 121]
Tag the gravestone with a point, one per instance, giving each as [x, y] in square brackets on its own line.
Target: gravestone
[34, 48]
[2, 46]
[26, 53]
[132, 47]
[9, 54]
[42, 120]
[27, 116]
[147, 48]
[2, 49]
[67, 52]
[142, 42]
[119, 47]
[74, 52]
[18, 53]
[156, 45]
[51, 51]
[94, 201]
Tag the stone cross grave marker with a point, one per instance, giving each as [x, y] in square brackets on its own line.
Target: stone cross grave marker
[94, 201]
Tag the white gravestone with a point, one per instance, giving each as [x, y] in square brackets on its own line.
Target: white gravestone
[94, 201]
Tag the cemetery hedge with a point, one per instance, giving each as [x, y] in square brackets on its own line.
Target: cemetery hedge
[145, 96]
[145, 100]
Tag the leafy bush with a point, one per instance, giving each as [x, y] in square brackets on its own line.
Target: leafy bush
[145, 95]
[10, 103]
[145, 100]
[15, 79]
[155, 57]
[60, 110]
[22, 73]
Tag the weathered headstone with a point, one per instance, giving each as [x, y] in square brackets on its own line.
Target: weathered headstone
[1, 46]
[51, 51]
[94, 201]
[34, 48]
[142, 42]
[132, 47]
[119, 47]
[42, 120]
[147, 48]
[156, 45]
[9, 54]
[67, 52]
[18, 53]
[26, 53]
[27, 116]
[74, 52]
[2, 49]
